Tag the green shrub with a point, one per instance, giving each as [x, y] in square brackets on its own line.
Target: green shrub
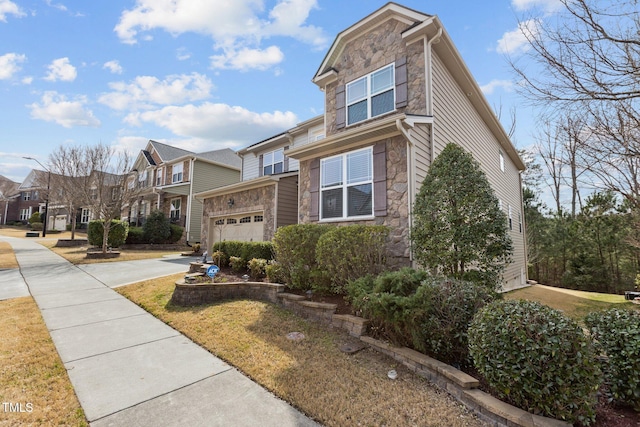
[219, 259]
[244, 250]
[135, 236]
[429, 314]
[350, 252]
[35, 217]
[274, 272]
[537, 358]
[257, 268]
[237, 265]
[37, 226]
[156, 228]
[617, 336]
[295, 250]
[175, 233]
[117, 233]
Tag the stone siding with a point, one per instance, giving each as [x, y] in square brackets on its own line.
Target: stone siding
[254, 200]
[372, 51]
[397, 217]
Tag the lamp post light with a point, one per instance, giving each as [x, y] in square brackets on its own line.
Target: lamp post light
[46, 201]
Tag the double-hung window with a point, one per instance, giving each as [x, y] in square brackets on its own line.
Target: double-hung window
[159, 177]
[26, 195]
[85, 216]
[346, 185]
[177, 173]
[174, 210]
[371, 95]
[25, 214]
[273, 162]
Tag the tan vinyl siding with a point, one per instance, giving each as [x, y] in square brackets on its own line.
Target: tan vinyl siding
[206, 177]
[457, 121]
[287, 201]
[250, 165]
[422, 153]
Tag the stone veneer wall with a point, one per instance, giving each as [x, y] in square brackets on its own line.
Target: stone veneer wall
[397, 217]
[254, 200]
[372, 51]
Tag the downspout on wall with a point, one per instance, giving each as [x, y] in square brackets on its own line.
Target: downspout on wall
[187, 225]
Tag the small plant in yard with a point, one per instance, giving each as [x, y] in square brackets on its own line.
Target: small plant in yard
[274, 272]
[537, 358]
[237, 264]
[219, 258]
[617, 336]
[257, 268]
[196, 247]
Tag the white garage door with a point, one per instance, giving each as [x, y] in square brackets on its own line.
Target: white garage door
[245, 227]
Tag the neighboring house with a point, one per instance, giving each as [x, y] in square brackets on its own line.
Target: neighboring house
[32, 194]
[396, 92]
[267, 196]
[9, 196]
[168, 177]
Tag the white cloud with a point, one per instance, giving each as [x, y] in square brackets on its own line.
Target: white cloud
[246, 59]
[513, 42]
[546, 5]
[234, 26]
[56, 108]
[217, 123]
[182, 54]
[61, 69]
[9, 8]
[148, 91]
[488, 89]
[58, 6]
[113, 66]
[27, 80]
[10, 64]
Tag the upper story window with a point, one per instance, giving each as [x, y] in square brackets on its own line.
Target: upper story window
[346, 185]
[26, 195]
[273, 162]
[371, 95]
[177, 173]
[142, 179]
[501, 161]
[159, 176]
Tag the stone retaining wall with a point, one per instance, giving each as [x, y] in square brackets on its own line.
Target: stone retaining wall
[68, 243]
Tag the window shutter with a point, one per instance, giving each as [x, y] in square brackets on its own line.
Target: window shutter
[261, 165]
[401, 82]
[380, 179]
[341, 112]
[285, 163]
[314, 210]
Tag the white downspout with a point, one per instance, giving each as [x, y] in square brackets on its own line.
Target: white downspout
[187, 224]
[428, 61]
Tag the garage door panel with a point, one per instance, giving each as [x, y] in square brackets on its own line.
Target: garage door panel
[242, 227]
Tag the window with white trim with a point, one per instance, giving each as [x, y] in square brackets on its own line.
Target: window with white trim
[85, 216]
[273, 162]
[177, 173]
[258, 218]
[159, 176]
[371, 95]
[346, 185]
[510, 218]
[25, 214]
[26, 195]
[245, 220]
[501, 161]
[174, 209]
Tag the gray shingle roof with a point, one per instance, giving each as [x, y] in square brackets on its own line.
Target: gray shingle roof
[225, 156]
[167, 152]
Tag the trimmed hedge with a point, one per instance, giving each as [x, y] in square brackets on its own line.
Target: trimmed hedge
[295, 250]
[117, 233]
[429, 314]
[135, 236]
[244, 250]
[156, 228]
[617, 335]
[536, 358]
[175, 233]
[349, 252]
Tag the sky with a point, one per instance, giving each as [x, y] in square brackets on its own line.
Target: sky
[206, 74]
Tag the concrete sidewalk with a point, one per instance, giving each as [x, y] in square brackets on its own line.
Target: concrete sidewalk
[127, 367]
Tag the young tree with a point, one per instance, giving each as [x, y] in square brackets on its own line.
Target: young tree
[458, 227]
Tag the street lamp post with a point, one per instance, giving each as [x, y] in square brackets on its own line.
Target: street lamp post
[46, 201]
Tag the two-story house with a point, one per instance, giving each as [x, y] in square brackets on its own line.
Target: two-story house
[396, 93]
[267, 196]
[9, 196]
[167, 178]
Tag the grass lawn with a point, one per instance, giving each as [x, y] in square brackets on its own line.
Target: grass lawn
[31, 371]
[575, 304]
[7, 257]
[313, 374]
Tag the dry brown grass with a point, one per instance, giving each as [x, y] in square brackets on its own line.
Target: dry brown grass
[313, 374]
[19, 232]
[7, 257]
[575, 304]
[32, 372]
[78, 255]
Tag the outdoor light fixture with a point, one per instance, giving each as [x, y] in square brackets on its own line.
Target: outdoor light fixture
[230, 203]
